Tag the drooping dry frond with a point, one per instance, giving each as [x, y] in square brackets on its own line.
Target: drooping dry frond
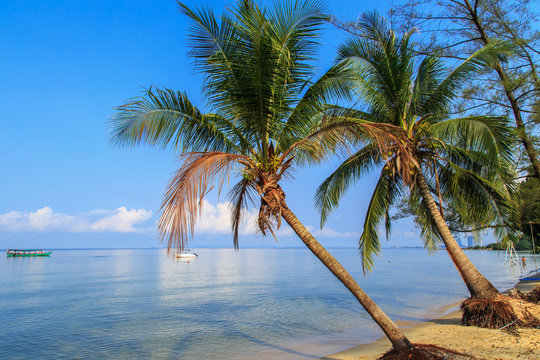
[241, 196]
[186, 191]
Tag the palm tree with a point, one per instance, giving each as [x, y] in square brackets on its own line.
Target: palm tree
[267, 116]
[438, 159]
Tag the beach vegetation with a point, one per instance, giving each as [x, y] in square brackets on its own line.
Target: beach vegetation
[529, 208]
[437, 159]
[455, 29]
[269, 114]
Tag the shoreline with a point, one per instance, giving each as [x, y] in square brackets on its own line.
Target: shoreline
[447, 331]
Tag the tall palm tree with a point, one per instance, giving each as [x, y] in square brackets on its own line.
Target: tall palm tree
[438, 158]
[267, 116]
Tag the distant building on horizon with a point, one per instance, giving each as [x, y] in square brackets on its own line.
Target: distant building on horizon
[470, 241]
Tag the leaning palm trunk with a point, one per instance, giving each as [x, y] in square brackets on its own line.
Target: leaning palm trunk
[394, 334]
[478, 285]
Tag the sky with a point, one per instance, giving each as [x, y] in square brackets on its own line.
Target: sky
[64, 67]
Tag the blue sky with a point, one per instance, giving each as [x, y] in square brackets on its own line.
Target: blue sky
[65, 66]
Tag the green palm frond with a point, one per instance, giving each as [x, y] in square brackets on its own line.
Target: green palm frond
[297, 25]
[385, 193]
[482, 201]
[333, 188]
[165, 117]
[428, 229]
[440, 98]
[384, 67]
[428, 76]
[335, 84]
[489, 135]
[256, 62]
[412, 101]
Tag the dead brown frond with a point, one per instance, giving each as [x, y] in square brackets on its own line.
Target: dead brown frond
[534, 295]
[516, 294]
[182, 203]
[502, 312]
[425, 352]
[240, 197]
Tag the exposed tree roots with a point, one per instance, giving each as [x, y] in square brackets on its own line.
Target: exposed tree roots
[502, 312]
[425, 352]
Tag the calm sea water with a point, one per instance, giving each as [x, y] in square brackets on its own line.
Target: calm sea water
[255, 303]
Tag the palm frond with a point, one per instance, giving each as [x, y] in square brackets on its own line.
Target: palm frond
[333, 188]
[428, 76]
[182, 202]
[165, 117]
[385, 193]
[241, 196]
[479, 200]
[384, 67]
[489, 135]
[335, 84]
[448, 90]
[428, 229]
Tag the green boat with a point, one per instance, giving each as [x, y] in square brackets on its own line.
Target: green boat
[27, 252]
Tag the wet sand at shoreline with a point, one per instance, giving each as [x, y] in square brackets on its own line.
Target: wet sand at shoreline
[447, 331]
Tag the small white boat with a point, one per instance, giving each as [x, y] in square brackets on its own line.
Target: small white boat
[188, 253]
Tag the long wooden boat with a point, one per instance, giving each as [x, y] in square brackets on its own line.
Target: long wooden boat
[27, 252]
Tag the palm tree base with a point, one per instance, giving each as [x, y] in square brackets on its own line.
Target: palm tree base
[424, 352]
[501, 312]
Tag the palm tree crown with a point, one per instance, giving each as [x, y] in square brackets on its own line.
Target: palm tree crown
[265, 116]
[462, 160]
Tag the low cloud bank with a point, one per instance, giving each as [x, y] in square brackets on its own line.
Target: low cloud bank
[45, 220]
[214, 219]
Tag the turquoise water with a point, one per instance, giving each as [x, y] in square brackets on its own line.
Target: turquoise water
[251, 304]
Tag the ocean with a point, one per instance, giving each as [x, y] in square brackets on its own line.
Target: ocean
[226, 304]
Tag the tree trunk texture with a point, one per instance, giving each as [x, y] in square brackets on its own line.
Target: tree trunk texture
[522, 132]
[394, 334]
[478, 285]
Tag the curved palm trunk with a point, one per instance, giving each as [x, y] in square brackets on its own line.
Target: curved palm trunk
[398, 339]
[478, 285]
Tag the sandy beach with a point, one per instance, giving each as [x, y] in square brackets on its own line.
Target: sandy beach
[447, 331]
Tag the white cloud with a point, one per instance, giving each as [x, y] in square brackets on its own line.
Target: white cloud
[45, 219]
[216, 219]
[327, 232]
[122, 220]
